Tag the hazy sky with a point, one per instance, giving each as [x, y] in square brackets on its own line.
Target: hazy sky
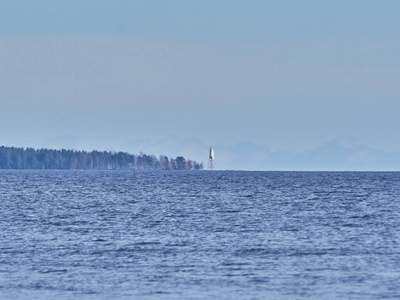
[174, 77]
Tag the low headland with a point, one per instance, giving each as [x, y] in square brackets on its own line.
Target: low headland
[51, 159]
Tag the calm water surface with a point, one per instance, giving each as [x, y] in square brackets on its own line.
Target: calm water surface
[199, 235]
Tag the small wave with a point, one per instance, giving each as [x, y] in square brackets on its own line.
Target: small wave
[361, 217]
[54, 271]
[99, 240]
[158, 293]
[184, 244]
[232, 264]
[306, 253]
[260, 279]
[351, 225]
[147, 243]
[233, 275]
[55, 223]
[256, 251]
[7, 271]
[290, 229]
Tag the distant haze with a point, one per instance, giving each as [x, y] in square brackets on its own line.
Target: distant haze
[282, 86]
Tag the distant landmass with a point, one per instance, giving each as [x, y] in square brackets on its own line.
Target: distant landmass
[30, 158]
[341, 154]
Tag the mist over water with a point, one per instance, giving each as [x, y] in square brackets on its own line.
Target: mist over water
[199, 235]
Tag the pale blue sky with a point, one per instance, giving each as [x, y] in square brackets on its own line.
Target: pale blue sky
[224, 20]
[173, 77]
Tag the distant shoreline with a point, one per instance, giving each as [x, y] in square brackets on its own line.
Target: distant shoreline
[17, 158]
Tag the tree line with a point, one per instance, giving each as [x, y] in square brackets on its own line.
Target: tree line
[30, 158]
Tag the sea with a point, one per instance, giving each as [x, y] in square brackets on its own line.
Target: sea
[199, 235]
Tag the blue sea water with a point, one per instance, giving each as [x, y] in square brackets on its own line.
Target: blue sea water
[199, 235]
